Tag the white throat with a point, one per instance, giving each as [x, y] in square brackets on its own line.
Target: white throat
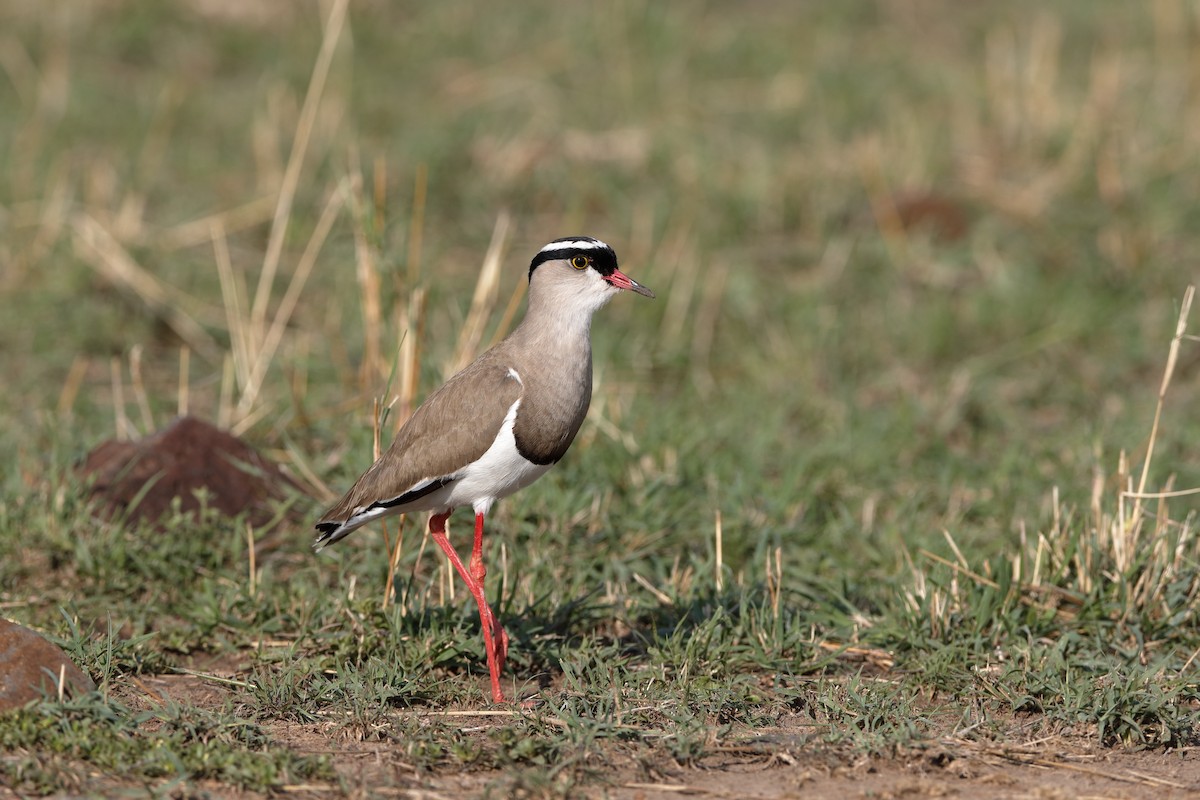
[561, 304]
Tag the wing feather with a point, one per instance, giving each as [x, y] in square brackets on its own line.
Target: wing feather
[451, 429]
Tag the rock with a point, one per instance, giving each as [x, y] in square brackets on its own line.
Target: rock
[944, 216]
[30, 667]
[186, 456]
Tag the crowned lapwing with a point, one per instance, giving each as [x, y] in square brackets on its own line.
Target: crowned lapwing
[499, 424]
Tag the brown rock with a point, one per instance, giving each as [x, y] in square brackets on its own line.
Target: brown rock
[945, 217]
[144, 477]
[30, 667]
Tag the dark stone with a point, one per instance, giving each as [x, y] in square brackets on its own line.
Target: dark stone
[187, 456]
[30, 667]
[945, 217]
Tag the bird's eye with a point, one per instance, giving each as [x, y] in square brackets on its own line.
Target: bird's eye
[580, 262]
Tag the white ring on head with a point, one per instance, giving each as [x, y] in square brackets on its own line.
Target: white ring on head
[576, 244]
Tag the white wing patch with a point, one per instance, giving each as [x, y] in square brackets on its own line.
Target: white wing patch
[362, 516]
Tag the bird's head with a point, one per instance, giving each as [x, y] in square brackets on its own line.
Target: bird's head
[588, 265]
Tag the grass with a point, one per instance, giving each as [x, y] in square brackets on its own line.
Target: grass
[850, 483]
[159, 749]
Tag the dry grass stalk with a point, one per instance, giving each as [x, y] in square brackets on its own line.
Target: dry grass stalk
[1026, 755]
[379, 193]
[291, 175]
[376, 414]
[71, 385]
[408, 367]
[659, 594]
[139, 387]
[379, 413]
[233, 296]
[183, 395]
[268, 345]
[252, 557]
[880, 659]
[412, 331]
[1028, 107]
[372, 367]
[197, 231]
[1185, 310]
[484, 299]
[225, 400]
[389, 587]
[298, 382]
[121, 424]
[305, 470]
[406, 599]
[101, 250]
[774, 578]
[245, 422]
[1146, 553]
[417, 225]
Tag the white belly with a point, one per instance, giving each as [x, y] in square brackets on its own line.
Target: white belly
[497, 473]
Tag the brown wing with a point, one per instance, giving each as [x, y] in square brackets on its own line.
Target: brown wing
[452, 428]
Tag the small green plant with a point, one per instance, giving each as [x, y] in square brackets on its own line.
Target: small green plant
[173, 743]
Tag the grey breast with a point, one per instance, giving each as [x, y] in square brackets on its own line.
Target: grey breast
[558, 390]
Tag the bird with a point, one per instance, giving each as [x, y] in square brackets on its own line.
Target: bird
[499, 424]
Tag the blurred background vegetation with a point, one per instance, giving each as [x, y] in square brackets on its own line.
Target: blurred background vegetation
[918, 263]
[918, 266]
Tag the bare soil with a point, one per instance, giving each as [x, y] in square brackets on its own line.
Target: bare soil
[771, 763]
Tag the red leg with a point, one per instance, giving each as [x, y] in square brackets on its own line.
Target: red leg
[487, 621]
[478, 571]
